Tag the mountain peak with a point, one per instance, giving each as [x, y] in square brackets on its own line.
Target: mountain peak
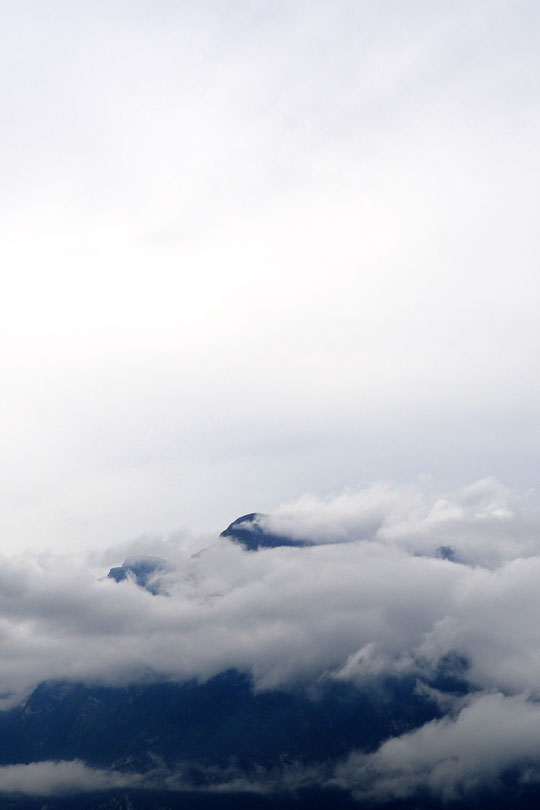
[143, 569]
[249, 532]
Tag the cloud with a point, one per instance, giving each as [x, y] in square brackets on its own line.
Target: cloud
[484, 523]
[381, 599]
[451, 757]
[373, 597]
[281, 614]
[56, 778]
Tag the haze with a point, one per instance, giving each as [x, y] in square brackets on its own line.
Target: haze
[257, 249]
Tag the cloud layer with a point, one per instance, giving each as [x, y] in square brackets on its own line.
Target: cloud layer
[376, 579]
[56, 778]
[373, 596]
[452, 757]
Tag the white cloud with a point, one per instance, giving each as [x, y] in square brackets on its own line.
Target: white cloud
[375, 600]
[451, 757]
[47, 778]
[354, 609]
[57, 778]
[484, 523]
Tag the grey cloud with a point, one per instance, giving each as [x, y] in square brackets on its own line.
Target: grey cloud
[347, 610]
[451, 757]
[55, 778]
[370, 598]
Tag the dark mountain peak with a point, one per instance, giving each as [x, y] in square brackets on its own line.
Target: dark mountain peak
[248, 531]
[144, 570]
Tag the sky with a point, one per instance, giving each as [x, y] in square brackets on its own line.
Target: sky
[276, 257]
[254, 250]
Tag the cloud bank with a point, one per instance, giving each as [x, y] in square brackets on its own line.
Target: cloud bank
[398, 579]
[451, 757]
[375, 579]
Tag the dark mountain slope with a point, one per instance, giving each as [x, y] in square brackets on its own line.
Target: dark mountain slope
[214, 724]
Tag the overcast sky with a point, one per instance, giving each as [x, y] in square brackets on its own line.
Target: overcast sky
[257, 249]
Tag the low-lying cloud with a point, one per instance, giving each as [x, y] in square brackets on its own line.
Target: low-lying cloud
[374, 595]
[453, 756]
[55, 778]
[484, 737]
[294, 613]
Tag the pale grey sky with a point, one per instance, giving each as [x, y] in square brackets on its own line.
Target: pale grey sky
[254, 249]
